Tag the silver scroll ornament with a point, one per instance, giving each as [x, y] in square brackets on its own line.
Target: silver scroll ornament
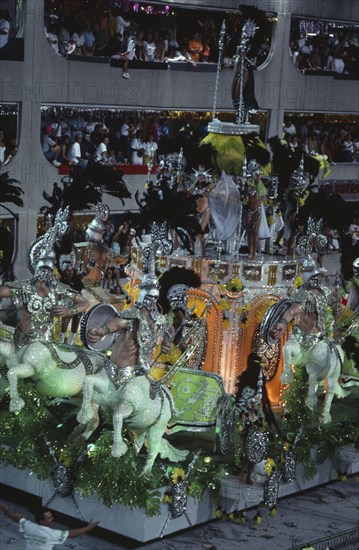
[63, 477]
[271, 489]
[314, 239]
[290, 460]
[179, 494]
[256, 445]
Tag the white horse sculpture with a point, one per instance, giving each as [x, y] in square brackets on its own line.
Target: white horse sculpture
[38, 361]
[145, 407]
[323, 361]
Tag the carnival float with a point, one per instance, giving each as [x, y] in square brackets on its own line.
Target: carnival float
[197, 394]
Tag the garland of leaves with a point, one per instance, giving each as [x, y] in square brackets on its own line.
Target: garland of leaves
[114, 480]
[325, 438]
[118, 480]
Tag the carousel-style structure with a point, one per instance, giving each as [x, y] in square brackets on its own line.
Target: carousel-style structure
[198, 391]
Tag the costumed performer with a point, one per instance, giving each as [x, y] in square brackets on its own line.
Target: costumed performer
[254, 411]
[254, 212]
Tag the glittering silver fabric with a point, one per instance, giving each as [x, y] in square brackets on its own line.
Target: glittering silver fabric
[248, 403]
[256, 445]
[63, 480]
[225, 423]
[314, 238]
[314, 303]
[24, 295]
[119, 376]
[148, 333]
[289, 466]
[179, 492]
[253, 218]
[306, 341]
[271, 489]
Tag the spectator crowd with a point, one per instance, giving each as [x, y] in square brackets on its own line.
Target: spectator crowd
[122, 35]
[339, 142]
[336, 51]
[75, 139]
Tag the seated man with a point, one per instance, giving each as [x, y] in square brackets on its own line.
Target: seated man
[127, 55]
[50, 148]
[75, 153]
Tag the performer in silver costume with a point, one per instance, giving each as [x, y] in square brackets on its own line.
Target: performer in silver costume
[39, 299]
[309, 309]
[312, 341]
[138, 329]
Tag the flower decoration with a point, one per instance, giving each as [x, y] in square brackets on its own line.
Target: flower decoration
[323, 164]
[298, 282]
[234, 285]
[269, 466]
[219, 513]
[177, 475]
[65, 458]
[133, 291]
[262, 310]
[257, 519]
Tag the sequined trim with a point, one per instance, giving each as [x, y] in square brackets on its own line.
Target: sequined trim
[119, 375]
[314, 303]
[24, 294]
[253, 218]
[21, 340]
[306, 341]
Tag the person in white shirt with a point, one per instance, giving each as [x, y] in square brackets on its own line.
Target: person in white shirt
[150, 149]
[101, 154]
[56, 128]
[289, 128]
[175, 56]
[39, 535]
[79, 39]
[127, 55]
[149, 47]
[75, 152]
[2, 147]
[53, 39]
[137, 149]
[124, 138]
[356, 149]
[50, 148]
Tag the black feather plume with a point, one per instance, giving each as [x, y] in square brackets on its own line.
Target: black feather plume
[175, 276]
[10, 192]
[162, 203]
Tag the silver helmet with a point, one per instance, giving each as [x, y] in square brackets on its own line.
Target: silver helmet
[311, 271]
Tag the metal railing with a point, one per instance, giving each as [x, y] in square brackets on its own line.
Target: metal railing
[346, 540]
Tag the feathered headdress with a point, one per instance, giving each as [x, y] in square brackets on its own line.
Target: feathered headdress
[253, 27]
[41, 254]
[177, 209]
[96, 227]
